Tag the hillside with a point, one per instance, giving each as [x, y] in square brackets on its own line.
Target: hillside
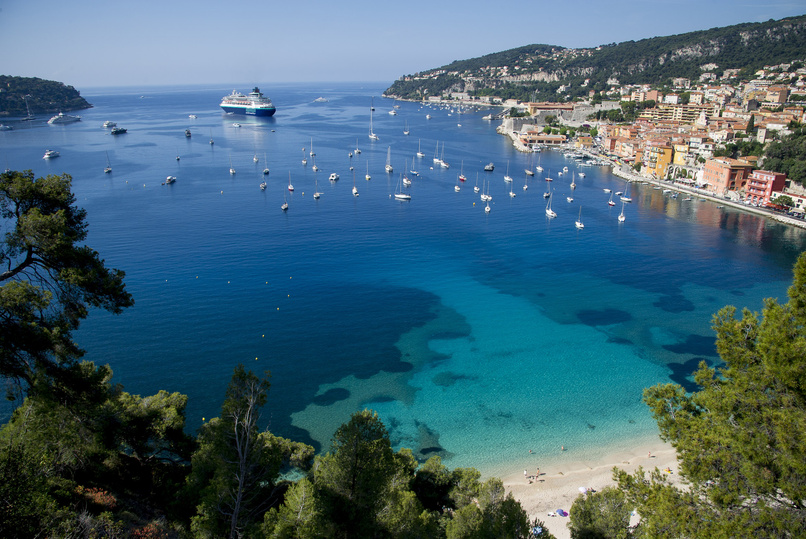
[44, 96]
[551, 73]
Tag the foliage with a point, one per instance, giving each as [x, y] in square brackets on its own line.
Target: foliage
[740, 439]
[741, 148]
[42, 95]
[236, 467]
[784, 200]
[748, 47]
[604, 514]
[788, 156]
[49, 278]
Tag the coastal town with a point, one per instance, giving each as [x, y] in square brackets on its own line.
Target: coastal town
[682, 135]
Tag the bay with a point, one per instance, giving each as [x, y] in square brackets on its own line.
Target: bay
[477, 336]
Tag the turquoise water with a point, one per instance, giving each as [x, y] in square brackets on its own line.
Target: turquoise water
[475, 336]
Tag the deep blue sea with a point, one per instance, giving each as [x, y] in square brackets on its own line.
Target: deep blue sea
[475, 336]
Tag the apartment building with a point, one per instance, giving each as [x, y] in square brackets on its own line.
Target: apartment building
[723, 174]
[761, 185]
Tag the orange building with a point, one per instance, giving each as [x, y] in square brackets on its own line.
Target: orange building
[762, 184]
[723, 174]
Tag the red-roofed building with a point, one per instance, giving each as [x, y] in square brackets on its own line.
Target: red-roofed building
[723, 174]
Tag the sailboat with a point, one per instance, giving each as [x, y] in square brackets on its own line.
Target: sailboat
[442, 161]
[255, 158]
[462, 172]
[266, 168]
[372, 135]
[476, 188]
[437, 160]
[368, 177]
[621, 217]
[626, 196]
[411, 170]
[284, 207]
[419, 153]
[290, 187]
[511, 192]
[355, 189]
[312, 152]
[231, 170]
[526, 183]
[316, 193]
[569, 199]
[507, 177]
[314, 167]
[388, 167]
[487, 208]
[406, 180]
[211, 137]
[529, 170]
[573, 182]
[399, 195]
[456, 187]
[108, 167]
[304, 159]
[538, 167]
[357, 149]
[548, 191]
[263, 186]
[406, 128]
[30, 116]
[549, 212]
[578, 222]
[610, 202]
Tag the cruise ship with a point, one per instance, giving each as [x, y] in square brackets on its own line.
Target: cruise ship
[254, 104]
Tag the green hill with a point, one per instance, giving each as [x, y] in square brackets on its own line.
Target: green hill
[44, 96]
[539, 71]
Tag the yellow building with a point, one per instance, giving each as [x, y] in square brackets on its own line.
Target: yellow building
[681, 151]
[657, 158]
[583, 141]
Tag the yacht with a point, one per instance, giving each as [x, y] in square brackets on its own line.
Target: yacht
[62, 118]
[50, 154]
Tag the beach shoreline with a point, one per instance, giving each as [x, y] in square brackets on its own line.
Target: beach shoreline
[558, 485]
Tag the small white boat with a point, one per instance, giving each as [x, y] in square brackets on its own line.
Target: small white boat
[255, 158]
[367, 177]
[236, 124]
[169, 180]
[399, 195]
[333, 177]
[265, 170]
[355, 189]
[50, 154]
[507, 177]
[263, 186]
[487, 208]
[192, 116]
[284, 207]
[621, 217]
[316, 193]
[581, 174]
[419, 153]
[578, 222]
[569, 199]
[290, 185]
[392, 113]
[108, 167]
[606, 190]
[231, 169]
[109, 124]
[406, 128]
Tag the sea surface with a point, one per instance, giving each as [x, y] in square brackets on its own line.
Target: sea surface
[476, 336]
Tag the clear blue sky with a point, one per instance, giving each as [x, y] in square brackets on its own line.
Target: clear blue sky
[89, 43]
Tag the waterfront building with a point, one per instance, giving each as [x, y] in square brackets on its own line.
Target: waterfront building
[761, 185]
[656, 158]
[723, 174]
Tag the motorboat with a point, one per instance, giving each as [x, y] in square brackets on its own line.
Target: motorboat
[333, 177]
[109, 124]
[170, 179]
[50, 154]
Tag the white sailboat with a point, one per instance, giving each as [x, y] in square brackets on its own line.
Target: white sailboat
[314, 167]
[437, 160]
[578, 222]
[419, 153]
[462, 176]
[528, 170]
[456, 187]
[406, 180]
[255, 158]
[290, 186]
[626, 196]
[368, 177]
[211, 137]
[507, 177]
[108, 167]
[372, 135]
[316, 193]
[266, 167]
[476, 187]
[355, 189]
[399, 195]
[284, 207]
[621, 217]
[304, 159]
[388, 166]
[412, 171]
[610, 202]
[357, 149]
[538, 167]
[406, 128]
[231, 170]
[442, 162]
[487, 208]
[573, 181]
[549, 212]
[511, 192]
[312, 152]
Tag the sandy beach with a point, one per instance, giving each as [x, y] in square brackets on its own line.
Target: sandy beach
[558, 486]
